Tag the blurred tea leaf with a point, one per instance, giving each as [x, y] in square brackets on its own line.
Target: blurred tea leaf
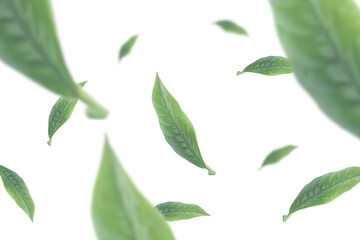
[276, 155]
[231, 27]
[127, 46]
[119, 211]
[29, 43]
[175, 211]
[321, 40]
[176, 126]
[18, 190]
[60, 113]
[325, 189]
[269, 66]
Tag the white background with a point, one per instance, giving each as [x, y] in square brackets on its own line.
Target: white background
[238, 121]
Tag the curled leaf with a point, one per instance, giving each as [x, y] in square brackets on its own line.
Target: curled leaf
[127, 46]
[18, 190]
[276, 155]
[176, 126]
[325, 189]
[269, 66]
[175, 211]
[60, 113]
[231, 27]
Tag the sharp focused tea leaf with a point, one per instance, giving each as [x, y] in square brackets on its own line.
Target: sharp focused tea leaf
[29, 43]
[231, 27]
[18, 190]
[321, 40]
[127, 46]
[175, 211]
[278, 154]
[119, 211]
[60, 113]
[269, 66]
[325, 189]
[176, 126]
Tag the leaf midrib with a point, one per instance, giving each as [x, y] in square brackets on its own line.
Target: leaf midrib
[336, 50]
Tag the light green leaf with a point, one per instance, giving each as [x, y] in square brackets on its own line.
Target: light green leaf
[119, 210]
[321, 40]
[278, 154]
[175, 211]
[29, 43]
[176, 126]
[231, 27]
[127, 46]
[18, 190]
[60, 113]
[325, 189]
[269, 66]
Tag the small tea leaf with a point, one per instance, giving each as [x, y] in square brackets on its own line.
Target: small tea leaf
[325, 189]
[127, 46]
[175, 211]
[278, 154]
[176, 126]
[119, 211]
[29, 43]
[60, 113]
[322, 44]
[18, 190]
[231, 27]
[269, 66]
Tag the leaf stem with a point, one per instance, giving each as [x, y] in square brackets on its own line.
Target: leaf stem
[286, 217]
[49, 142]
[210, 171]
[94, 110]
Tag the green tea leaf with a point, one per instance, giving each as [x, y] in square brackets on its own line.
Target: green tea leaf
[127, 46]
[18, 190]
[231, 27]
[175, 211]
[325, 189]
[60, 113]
[29, 43]
[119, 211]
[320, 39]
[176, 126]
[269, 66]
[278, 154]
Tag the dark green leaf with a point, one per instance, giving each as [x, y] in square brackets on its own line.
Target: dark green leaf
[29, 43]
[127, 46]
[119, 210]
[60, 113]
[269, 66]
[231, 27]
[320, 39]
[176, 126]
[278, 154]
[18, 190]
[175, 211]
[325, 189]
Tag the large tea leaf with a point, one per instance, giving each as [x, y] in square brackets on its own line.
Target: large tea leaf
[325, 189]
[176, 126]
[321, 40]
[119, 210]
[29, 43]
[18, 190]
